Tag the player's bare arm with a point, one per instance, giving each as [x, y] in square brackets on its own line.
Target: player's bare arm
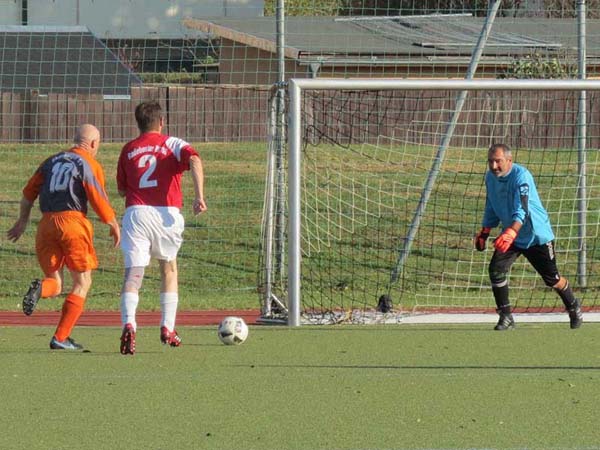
[516, 225]
[115, 232]
[197, 170]
[20, 225]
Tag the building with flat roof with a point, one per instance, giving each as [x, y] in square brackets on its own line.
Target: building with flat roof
[405, 46]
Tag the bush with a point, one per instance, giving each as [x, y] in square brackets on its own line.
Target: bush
[540, 67]
[173, 77]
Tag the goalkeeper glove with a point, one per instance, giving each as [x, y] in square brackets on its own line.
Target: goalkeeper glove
[481, 237]
[505, 240]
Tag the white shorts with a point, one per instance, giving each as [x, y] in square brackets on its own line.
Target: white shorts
[151, 232]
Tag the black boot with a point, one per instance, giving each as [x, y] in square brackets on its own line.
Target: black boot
[505, 322]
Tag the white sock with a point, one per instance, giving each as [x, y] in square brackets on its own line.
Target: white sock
[168, 306]
[129, 303]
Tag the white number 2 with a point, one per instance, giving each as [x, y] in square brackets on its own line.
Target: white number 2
[149, 163]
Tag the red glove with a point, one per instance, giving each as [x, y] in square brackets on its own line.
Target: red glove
[505, 240]
[481, 237]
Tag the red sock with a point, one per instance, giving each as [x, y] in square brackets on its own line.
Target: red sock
[71, 310]
[50, 288]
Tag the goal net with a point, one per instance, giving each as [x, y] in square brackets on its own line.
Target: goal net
[369, 227]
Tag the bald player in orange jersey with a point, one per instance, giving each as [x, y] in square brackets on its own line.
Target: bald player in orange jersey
[65, 183]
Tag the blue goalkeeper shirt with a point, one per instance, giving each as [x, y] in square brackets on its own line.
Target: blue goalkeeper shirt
[514, 198]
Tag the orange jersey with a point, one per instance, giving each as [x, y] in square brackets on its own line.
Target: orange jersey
[67, 181]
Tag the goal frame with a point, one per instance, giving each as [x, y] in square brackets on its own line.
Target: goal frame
[295, 88]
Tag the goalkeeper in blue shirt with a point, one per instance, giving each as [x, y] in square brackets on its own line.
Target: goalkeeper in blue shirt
[512, 201]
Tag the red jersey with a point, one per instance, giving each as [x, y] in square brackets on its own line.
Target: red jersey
[150, 169]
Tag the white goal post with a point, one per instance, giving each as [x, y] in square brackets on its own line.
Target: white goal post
[295, 89]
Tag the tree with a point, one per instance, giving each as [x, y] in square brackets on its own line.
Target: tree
[389, 7]
[306, 7]
[509, 8]
[563, 9]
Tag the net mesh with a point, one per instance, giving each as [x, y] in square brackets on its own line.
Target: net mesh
[365, 159]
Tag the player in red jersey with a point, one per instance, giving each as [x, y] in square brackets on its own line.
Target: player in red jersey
[149, 177]
[65, 182]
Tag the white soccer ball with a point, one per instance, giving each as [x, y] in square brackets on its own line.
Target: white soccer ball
[233, 330]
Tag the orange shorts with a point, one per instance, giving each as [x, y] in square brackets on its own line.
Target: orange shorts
[65, 238]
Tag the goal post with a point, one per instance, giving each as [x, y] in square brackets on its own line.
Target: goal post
[470, 279]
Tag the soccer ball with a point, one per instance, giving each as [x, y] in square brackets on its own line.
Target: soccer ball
[233, 330]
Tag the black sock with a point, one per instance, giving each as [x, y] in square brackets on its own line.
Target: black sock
[567, 296]
[501, 297]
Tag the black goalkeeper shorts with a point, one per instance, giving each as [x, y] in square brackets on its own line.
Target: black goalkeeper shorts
[541, 257]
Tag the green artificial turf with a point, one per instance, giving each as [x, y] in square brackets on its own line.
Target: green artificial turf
[345, 387]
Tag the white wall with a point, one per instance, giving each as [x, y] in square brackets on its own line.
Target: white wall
[127, 18]
[10, 12]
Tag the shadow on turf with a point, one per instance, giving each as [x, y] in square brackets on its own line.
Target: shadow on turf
[462, 367]
[428, 327]
[461, 327]
[95, 352]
